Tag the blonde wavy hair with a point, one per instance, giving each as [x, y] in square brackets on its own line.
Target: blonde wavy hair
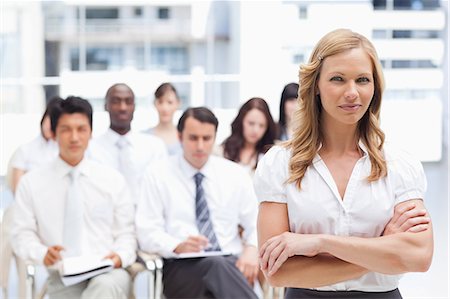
[307, 135]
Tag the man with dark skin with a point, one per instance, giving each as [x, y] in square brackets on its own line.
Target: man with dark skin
[120, 105]
[120, 147]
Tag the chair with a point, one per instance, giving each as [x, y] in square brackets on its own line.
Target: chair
[274, 293]
[152, 264]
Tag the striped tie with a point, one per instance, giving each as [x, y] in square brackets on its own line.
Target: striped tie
[204, 223]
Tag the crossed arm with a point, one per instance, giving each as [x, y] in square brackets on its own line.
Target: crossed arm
[314, 260]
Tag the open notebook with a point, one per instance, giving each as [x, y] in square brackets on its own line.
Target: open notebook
[77, 269]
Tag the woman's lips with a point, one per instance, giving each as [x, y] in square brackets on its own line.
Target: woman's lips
[350, 107]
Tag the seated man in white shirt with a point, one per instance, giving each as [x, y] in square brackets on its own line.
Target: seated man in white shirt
[193, 204]
[120, 147]
[75, 207]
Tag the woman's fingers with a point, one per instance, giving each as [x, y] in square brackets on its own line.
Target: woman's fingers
[282, 257]
[418, 228]
[401, 210]
[266, 250]
[274, 255]
[410, 215]
[412, 222]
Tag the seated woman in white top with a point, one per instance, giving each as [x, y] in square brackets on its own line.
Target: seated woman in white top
[166, 103]
[288, 105]
[334, 188]
[253, 132]
[36, 153]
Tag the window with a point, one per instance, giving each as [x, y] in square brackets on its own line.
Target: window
[402, 34]
[302, 12]
[137, 11]
[380, 34]
[104, 58]
[75, 59]
[298, 58]
[416, 4]
[102, 13]
[163, 13]
[416, 34]
[403, 64]
[171, 58]
[402, 4]
[379, 4]
[98, 58]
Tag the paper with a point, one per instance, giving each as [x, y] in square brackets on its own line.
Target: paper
[77, 269]
[200, 254]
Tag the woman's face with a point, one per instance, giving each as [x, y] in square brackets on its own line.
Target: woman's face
[346, 86]
[166, 106]
[290, 105]
[46, 128]
[254, 126]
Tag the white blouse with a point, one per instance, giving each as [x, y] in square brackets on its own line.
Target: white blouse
[37, 153]
[364, 211]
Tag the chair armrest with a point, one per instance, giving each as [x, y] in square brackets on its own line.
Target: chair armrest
[30, 280]
[151, 261]
[154, 264]
[134, 269]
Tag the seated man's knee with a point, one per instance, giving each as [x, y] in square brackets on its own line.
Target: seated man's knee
[215, 261]
[114, 282]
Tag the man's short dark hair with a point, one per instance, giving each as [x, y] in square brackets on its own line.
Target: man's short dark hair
[202, 114]
[69, 106]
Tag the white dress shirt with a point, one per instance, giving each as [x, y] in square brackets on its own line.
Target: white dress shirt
[39, 211]
[172, 149]
[34, 154]
[250, 167]
[363, 212]
[143, 148]
[165, 216]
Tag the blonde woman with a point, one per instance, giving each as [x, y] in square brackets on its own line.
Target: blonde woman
[341, 215]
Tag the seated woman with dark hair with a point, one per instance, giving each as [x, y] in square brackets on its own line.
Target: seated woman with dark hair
[252, 134]
[288, 104]
[166, 103]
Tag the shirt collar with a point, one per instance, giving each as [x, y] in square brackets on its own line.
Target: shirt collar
[363, 147]
[189, 171]
[62, 168]
[113, 136]
[360, 144]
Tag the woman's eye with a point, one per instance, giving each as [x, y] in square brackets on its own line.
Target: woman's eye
[363, 80]
[336, 78]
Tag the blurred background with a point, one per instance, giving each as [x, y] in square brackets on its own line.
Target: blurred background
[220, 54]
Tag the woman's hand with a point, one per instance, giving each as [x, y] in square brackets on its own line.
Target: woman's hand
[278, 249]
[407, 218]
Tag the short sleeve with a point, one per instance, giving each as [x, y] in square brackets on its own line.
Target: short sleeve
[271, 175]
[407, 176]
[19, 160]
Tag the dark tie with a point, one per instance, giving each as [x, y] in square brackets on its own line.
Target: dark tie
[204, 223]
